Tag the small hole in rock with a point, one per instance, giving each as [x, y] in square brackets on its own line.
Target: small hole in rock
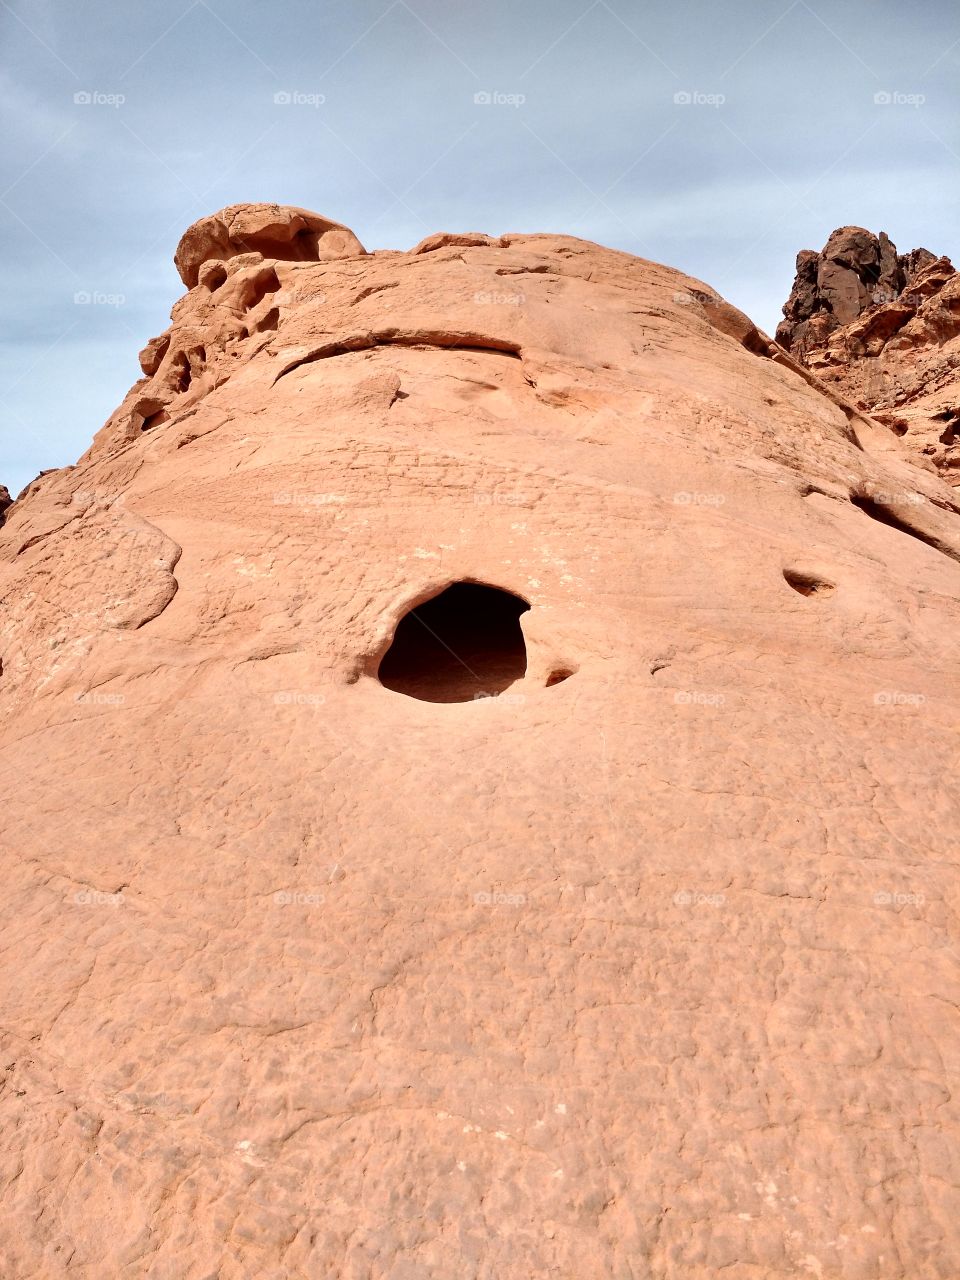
[214, 277]
[154, 420]
[461, 645]
[808, 584]
[558, 675]
[180, 373]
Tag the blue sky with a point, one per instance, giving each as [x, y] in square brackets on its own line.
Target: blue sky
[125, 123]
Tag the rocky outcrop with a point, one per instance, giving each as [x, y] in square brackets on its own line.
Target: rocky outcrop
[856, 271]
[228, 261]
[884, 330]
[271, 230]
[466, 742]
[5, 502]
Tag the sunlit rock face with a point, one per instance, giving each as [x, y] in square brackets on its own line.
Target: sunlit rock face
[632, 954]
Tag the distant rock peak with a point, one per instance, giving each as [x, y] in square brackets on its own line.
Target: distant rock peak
[855, 270]
[883, 329]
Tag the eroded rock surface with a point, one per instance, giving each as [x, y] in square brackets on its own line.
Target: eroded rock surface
[884, 330]
[645, 966]
[271, 230]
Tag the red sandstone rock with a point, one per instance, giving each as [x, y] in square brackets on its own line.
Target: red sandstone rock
[886, 336]
[272, 230]
[644, 964]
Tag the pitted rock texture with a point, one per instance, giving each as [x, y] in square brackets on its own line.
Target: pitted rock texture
[884, 330]
[646, 966]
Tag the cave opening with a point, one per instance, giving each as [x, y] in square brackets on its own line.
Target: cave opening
[463, 644]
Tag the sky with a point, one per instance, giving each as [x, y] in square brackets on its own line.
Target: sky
[720, 139]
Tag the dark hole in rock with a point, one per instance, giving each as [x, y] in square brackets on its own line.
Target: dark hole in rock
[808, 584]
[302, 247]
[180, 373]
[463, 644]
[558, 675]
[257, 287]
[154, 420]
[214, 277]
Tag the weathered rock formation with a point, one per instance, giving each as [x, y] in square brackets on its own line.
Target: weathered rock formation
[470, 732]
[884, 330]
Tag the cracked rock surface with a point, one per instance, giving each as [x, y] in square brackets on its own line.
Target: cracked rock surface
[646, 967]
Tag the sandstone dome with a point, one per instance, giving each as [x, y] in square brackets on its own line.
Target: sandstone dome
[607, 931]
